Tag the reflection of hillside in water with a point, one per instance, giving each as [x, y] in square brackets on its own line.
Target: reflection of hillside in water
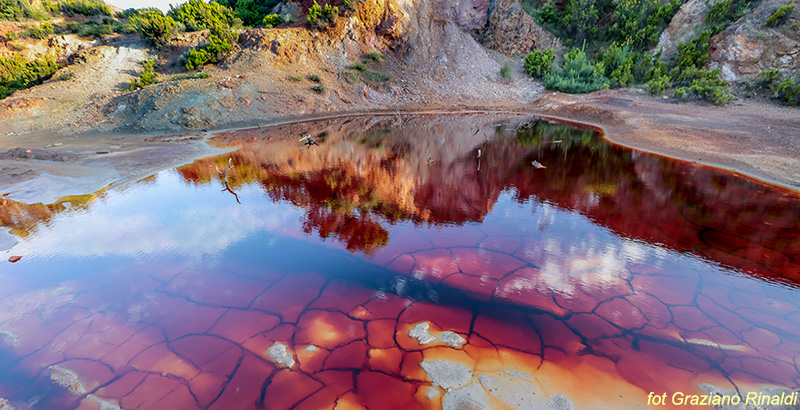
[369, 173]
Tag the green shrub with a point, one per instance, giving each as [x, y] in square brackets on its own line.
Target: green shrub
[657, 85]
[359, 67]
[640, 22]
[314, 78]
[619, 63]
[724, 12]
[16, 10]
[40, 31]
[198, 15]
[547, 15]
[505, 71]
[220, 43]
[320, 17]
[349, 6]
[16, 73]
[375, 56]
[272, 20]
[785, 90]
[695, 52]
[92, 28]
[580, 20]
[539, 63]
[375, 76]
[294, 78]
[577, 75]
[768, 77]
[66, 76]
[708, 85]
[197, 58]
[84, 7]
[251, 12]
[319, 89]
[190, 76]
[680, 92]
[154, 26]
[147, 77]
[780, 16]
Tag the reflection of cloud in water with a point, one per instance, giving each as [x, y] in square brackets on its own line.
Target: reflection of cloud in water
[570, 259]
[165, 217]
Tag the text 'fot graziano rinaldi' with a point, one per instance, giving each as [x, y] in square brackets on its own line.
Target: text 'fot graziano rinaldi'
[752, 398]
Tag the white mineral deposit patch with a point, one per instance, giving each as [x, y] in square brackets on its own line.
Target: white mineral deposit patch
[280, 354]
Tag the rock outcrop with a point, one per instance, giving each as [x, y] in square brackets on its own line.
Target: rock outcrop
[511, 31]
[749, 46]
[687, 23]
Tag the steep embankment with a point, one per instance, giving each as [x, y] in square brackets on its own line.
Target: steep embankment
[433, 58]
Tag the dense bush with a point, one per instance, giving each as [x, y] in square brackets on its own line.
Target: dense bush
[147, 77]
[695, 52]
[636, 22]
[198, 15]
[619, 63]
[577, 76]
[785, 90]
[376, 56]
[220, 43]
[16, 73]
[39, 31]
[272, 20]
[706, 84]
[154, 26]
[640, 22]
[579, 21]
[539, 63]
[252, 12]
[321, 17]
[724, 12]
[84, 7]
[779, 16]
[16, 10]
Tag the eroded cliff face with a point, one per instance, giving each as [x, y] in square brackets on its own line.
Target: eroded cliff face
[684, 26]
[749, 46]
[745, 48]
[433, 55]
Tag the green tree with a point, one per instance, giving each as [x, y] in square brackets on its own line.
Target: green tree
[198, 15]
[154, 26]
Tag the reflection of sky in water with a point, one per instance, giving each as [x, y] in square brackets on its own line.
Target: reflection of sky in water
[165, 217]
[195, 223]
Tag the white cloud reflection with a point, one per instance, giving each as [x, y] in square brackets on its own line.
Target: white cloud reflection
[167, 216]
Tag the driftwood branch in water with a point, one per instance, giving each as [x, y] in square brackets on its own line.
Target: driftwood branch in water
[224, 174]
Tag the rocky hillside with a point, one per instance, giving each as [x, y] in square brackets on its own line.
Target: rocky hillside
[429, 53]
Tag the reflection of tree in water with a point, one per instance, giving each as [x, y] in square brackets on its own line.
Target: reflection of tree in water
[338, 204]
[362, 180]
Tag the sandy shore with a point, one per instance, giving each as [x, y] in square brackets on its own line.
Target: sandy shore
[758, 140]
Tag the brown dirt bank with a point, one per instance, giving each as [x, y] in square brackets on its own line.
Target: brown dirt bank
[758, 140]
